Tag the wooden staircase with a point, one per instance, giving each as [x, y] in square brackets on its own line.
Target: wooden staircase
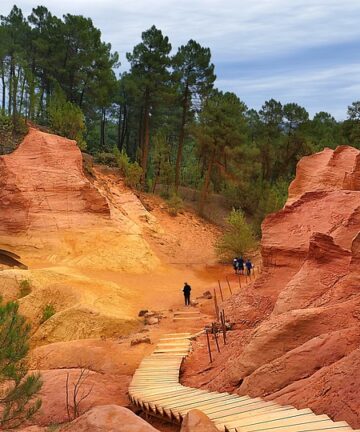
[155, 389]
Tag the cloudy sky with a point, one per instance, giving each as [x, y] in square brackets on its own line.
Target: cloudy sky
[292, 50]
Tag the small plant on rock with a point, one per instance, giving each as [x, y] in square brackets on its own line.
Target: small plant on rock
[48, 312]
[25, 288]
[175, 205]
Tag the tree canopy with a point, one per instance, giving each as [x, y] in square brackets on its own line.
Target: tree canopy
[163, 113]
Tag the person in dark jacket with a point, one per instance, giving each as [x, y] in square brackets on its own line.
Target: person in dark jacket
[249, 266]
[235, 264]
[187, 291]
[240, 263]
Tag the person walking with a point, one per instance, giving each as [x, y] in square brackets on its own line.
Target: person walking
[240, 263]
[235, 264]
[187, 291]
[249, 266]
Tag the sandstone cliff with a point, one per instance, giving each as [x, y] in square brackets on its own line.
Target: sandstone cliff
[298, 334]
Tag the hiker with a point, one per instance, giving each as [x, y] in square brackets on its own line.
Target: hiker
[235, 264]
[186, 291]
[249, 266]
[240, 265]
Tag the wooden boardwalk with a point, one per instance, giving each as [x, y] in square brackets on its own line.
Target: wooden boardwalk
[155, 389]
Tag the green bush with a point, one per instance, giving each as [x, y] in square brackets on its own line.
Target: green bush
[238, 239]
[47, 312]
[6, 128]
[175, 205]
[105, 158]
[131, 171]
[133, 175]
[66, 118]
[18, 401]
[25, 288]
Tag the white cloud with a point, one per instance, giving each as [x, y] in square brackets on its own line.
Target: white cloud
[322, 89]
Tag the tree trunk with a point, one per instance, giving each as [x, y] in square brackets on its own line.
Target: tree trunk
[124, 127]
[102, 129]
[22, 93]
[119, 129]
[3, 87]
[205, 188]
[11, 74]
[146, 143]
[15, 89]
[181, 137]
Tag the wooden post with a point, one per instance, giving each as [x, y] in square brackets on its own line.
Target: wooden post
[223, 325]
[216, 305]
[221, 293]
[215, 336]
[227, 280]
[208, 344]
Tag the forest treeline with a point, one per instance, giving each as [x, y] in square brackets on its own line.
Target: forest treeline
[163, 121]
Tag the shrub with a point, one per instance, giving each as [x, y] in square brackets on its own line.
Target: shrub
[105, 158]
[175, 205]
[48, 312]
[238, 238]
[18, 388]
[66, 118]
[131, 171]
[133, 175]
[25, 288]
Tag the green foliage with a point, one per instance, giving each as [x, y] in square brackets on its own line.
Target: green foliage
[175, 205]
[18, 389]
[131, 171]
[6, 129]
[105, 158]
[238, 239]
[66, 118]
[12, 131]
[47, 312]
[25, 288]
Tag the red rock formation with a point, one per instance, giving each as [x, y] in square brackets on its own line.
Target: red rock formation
[42, 186]
[299, 323]
[108, 418]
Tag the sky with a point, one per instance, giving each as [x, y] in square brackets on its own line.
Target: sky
[301, 51]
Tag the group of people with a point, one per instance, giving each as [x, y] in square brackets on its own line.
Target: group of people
[239, 265]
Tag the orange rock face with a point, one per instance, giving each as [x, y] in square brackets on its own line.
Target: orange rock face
[42, 185]
[298, 324]
[108, 418]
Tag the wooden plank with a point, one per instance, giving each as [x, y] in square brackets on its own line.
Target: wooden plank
[320, 426]
[246, 412]
[273, 419]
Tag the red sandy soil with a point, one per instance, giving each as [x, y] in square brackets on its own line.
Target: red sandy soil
[296, 334]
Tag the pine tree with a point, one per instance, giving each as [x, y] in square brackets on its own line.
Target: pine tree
[149, 63]
[195, 75]
[18, 389]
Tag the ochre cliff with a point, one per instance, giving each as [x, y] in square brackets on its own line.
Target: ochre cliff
[298, 326]
[51, 213]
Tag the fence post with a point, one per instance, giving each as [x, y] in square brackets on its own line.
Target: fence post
[208, 344]
[216, 305]
[215, 336]
[221, 293]
[223, 325]
[227, 280]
